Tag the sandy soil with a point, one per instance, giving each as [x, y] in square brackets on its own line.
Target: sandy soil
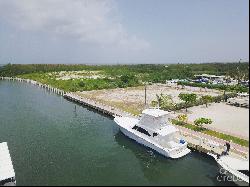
[226, 118]
[67, 75]
[133, 99]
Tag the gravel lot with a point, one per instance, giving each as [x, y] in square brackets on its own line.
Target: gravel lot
[226, 118]
[134, 98]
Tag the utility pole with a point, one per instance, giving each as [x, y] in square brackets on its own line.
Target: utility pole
[238, 73]
[145, 95]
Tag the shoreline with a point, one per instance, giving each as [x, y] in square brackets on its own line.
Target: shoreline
[36, 83]
[198, 141]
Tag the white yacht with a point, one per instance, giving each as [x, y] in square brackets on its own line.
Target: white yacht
[7, 174]
[235, 169]
[154, 131]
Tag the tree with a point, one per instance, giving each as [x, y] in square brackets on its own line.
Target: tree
[125, 78]
[128, 80]
[201, 121]
[188, 98]
[207, 99]
[165, 102]
[240, 74]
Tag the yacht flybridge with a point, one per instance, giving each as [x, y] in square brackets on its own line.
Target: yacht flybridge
[154, 131]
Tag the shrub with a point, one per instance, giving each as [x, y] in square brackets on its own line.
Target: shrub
[201, 121]
[229, 88]
[183, 118]
[81, 84]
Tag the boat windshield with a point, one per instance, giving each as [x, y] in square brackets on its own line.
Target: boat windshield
[141, 130]
[153, 122]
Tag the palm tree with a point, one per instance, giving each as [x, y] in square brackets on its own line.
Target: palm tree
[164, 102]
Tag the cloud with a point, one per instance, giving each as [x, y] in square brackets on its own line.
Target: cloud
[90, 21]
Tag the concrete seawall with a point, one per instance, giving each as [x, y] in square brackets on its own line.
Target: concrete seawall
[36, 83]
[100, 107]
[197, 141]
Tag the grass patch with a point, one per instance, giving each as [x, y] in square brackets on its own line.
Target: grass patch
[219, 135]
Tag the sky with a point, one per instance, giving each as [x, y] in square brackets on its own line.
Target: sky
[123, 31]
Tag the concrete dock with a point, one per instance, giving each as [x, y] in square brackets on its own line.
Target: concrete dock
[209, 144]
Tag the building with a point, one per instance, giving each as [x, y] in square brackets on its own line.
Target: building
[215, 79]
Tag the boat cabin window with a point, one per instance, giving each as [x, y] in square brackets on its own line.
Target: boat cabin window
[135, 127]
[155, 134]
[245, 172]
[141, 130]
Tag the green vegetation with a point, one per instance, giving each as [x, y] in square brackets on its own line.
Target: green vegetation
[83, 84]
[229, 88]
[216, 134]
[206, 99]
[158, 72]
[113, 76]
[183, 118]
[189, 99]
[201, 121]
[167, 104]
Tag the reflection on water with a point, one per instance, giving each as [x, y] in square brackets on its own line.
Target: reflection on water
[157, 167]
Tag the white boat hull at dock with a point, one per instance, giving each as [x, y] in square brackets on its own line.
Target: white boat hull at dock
[126, 129]
[152, 146]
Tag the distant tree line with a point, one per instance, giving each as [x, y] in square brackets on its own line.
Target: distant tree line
[229, 88]
[148, 72]
[121, 76]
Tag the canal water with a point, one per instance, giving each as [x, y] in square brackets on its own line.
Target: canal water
[55, 142]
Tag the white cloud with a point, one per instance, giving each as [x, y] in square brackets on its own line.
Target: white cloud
[93, 21]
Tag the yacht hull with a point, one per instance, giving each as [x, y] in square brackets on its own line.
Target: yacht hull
[154, 147]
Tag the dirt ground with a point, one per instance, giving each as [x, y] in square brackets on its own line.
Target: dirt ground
[133, 99]
[226, 118]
